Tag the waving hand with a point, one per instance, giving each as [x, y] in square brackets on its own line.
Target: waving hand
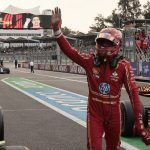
[56, 19]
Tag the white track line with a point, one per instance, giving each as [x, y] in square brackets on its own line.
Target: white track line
[59, 78]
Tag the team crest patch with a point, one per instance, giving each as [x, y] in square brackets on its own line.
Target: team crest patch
[104, 88]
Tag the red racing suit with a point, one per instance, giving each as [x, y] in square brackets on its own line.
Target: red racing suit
[105, 83]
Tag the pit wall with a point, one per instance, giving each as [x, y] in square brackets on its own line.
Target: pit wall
[58, 68]
[145, 72]
[79, 70]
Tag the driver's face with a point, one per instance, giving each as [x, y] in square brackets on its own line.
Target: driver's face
[36, 21]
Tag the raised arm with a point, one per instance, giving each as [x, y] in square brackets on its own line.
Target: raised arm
[64, 45]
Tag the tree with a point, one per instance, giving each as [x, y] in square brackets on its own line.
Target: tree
[66, 31]
[129, 9]
[114, 19]
[99, 23]
[146, 12]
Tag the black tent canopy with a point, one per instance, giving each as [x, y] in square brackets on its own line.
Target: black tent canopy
[47, 38]
[19, 40]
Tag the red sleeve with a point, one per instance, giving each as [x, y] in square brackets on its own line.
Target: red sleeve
[72, 53]
[132, 90]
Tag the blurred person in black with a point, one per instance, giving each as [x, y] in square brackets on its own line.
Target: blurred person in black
[16, 63]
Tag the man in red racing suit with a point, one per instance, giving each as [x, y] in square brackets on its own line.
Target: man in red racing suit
[105, 83]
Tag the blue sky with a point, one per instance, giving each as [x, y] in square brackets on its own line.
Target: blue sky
[77, 15]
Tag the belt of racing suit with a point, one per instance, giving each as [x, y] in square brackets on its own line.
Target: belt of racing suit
[105, 99]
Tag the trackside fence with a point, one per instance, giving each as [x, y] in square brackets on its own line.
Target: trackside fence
[74, 68]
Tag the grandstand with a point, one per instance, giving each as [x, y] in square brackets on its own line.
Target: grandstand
[137, 39]
[11, 46]
[38, 45]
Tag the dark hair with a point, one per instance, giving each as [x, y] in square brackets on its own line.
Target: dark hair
[31, 24]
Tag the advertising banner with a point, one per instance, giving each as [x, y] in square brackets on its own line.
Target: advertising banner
[146, 69]
[24, 21]
[134, 67]
[129, 43]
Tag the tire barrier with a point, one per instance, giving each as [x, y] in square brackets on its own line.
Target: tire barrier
[4, 70]
[127, 118]
[1, 125]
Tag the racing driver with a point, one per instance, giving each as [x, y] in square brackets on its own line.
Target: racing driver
[107, 71]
